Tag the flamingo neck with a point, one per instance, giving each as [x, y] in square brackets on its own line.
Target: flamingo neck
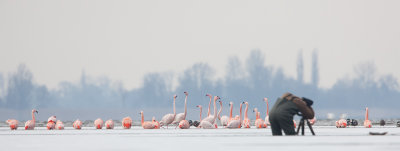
[215, 109]
[240, 111]
[366, 114]
[141, 113]
[184, 115]
[209, 106]
[219, 112]
[200, 112]
[256, 111]
[230, 112]
[33, 117]
[267, 107]
[174, 107]
[245, 111]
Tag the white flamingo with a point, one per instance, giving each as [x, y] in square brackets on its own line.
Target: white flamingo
[30, 124]
[234, 123]
[181, 116]
[184, 124]
[205, 124]
[266, 121]
[168, 118]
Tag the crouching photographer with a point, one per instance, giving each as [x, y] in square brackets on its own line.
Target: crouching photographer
[283, 111]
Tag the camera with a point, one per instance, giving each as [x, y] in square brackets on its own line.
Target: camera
[308, 101]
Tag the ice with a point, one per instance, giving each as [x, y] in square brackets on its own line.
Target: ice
[328, 138]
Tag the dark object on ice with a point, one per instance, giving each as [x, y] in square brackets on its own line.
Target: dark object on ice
[398, 124]
[354, 122]
[196, 123]
[301, 125]
[190, 122]
[378, 133]
[382, 123]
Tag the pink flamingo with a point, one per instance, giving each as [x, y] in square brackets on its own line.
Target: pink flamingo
[224, 119]
[230, 111]
[236, 123]
[212, 119]
[126, 122]
[98, 123]
[59, 125]
[341, 123]
[77, 124]
[312, 121]
[266, 121]
[209, 104]
[184, 124]
[367, 123]
[30, 124]
[156, 123]
[246, 121]
[181, 116]
[51, 122]
[259, 123]
[205, 124]
[147, 125]
[12, 123]
[109, 124]
[168, 118]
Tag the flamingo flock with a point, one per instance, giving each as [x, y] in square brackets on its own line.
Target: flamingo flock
[179, 120]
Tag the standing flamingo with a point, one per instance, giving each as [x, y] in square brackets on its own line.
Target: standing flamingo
[266, 121]
[246, 121]
[51, 122]
[156, 123]
[179, 117]
[109, 124]
[212, 119]
[224, 119]
[126, 122]
[59, 125]
[367, 122]
[13, 123]
[77, 124]
[147, 125]
[184, 124]
[259, 123]
[197, 123]
[168, 118]
[236, 123]
[230, 111]
[30, 124]
[204, 124]
[98, 123]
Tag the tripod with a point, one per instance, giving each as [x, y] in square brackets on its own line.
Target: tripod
[302, 126]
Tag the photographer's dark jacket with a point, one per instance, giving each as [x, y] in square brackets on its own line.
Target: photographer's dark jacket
[289, 105]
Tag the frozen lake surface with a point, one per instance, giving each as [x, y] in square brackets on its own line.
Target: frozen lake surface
[328, 138]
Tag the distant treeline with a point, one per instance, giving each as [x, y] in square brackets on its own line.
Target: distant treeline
[248, 81]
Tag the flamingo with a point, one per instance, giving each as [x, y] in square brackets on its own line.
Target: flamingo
[224, 119]
[184, 124]
[205, 124]
[236, 123]
[259, 123]
[109, 124]
[77, 124]
[212, 119]
[156, 123]
[312, 121]
[341, 123]
[59, 125]
[147, 125]
[51, 122]
[197, 123]
[266, 121]
[30, 124]
[230, 111]
[98, 123]
[367, 123]
[181, 116]
[209, 104]
[168, 118]
[246, 121]
[13, 123]
[127, 122]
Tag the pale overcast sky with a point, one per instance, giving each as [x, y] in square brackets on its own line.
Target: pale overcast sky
[124, 40]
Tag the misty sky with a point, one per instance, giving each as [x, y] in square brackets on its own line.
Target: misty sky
[124, 40]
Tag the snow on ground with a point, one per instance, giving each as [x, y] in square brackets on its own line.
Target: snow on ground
[328, 138]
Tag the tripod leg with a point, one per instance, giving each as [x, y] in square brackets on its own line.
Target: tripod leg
[298, 128]
[310, 126]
